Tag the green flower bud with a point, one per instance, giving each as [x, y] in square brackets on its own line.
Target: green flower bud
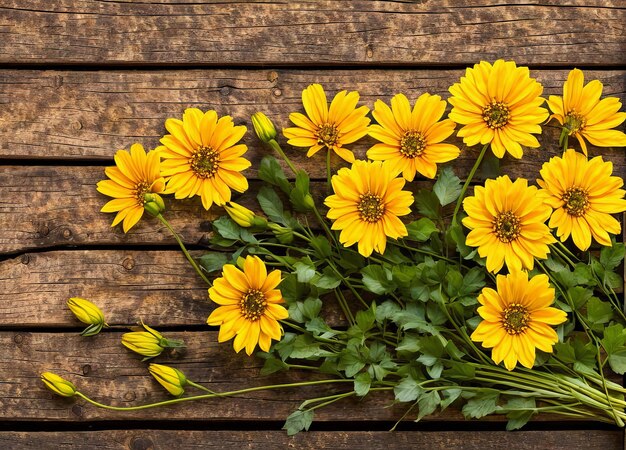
[283, 234]
[263, 127]
[171, 379]
[153, 204]
[58, 385]
[244, 217]
[88, 313]
[308, 202]
[149, 343]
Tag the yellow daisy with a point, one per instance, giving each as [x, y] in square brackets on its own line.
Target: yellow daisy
[517, 319]
[584, 115]
[507, 222]
[584, 195]
[135, 174]
[498, 105]
[249, 305]
[201, 157]
[367, 202]
[343, 123]
[411, 140]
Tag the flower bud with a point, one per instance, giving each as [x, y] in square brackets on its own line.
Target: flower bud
[263, 127]
[153, 204]
[171, 379]
[149, 343]
[308, 202]
[283, 234]
[58, 385]
[244, 217]
[88, 313]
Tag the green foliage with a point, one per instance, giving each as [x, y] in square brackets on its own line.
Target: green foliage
[447, 188]
[297, 421]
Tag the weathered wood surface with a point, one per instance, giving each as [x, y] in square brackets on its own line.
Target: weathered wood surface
[314, 440]
[88, 115]
[316, 32]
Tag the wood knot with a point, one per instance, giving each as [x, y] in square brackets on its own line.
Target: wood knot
[272, 76]
[277, 92]
[43, 231]
[25, 259]
[369, 51]
[140, 443]
[77, 410]
[77, 125]
[86, 369]
[18, 338]
[128, 263]
[130, 396]
[225, 91]
[67, 233]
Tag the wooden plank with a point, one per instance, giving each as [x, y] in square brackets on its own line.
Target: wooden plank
[317, 32]
[340, 440]
[88, 115]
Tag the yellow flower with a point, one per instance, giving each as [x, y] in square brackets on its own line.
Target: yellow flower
[170, 378]
[58, 385]
[499, 105]
[343, 123]
[367, 202]
[249, 305]
[517, 319]
[584, 115]
[201, 157]
[243, 216]
[135, 174]
[411, 140]
[149, 343]
[507, 222]
[88, 313]
[584, 195]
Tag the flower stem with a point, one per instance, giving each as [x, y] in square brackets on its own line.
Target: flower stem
[328, 173]
[183, 248]
[276, 147]
[468, 181]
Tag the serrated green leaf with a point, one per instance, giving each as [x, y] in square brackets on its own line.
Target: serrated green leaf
[480, 405]
[362, 383]
[598, 311]
[410, 343]
[300, 191]
[427, 404]
[214, 261]
[377, 279]
[328, 280]
[421, 229]
[617, 361]
[350, 361]
[519, 418]
[365, 319]
[226, 228]
[447, 188]
[273, 365]
[427, 204]
[407, 390]
[271, 205]
[579, 296]
[321, 246]
[611, 257]
[304, 269]
[271, 172]
[386, 310]
[298, 421]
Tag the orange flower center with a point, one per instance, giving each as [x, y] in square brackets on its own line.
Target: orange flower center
[507, 227]
[327, 134]
[371, 207]
[205, 162]
[576, 201]
[496, 115]
[515, 318]
[574, 122]
[141, 189]
[412, 144]
[253, 305]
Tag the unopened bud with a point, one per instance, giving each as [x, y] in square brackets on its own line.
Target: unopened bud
[58, 385]
[263, 127]
[88, 313]
[244, 217]
[308, 202]
[149, 343]
[283, 234]
[153, 204]
[171, 379]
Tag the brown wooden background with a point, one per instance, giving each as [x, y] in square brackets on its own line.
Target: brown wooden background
[80, 79]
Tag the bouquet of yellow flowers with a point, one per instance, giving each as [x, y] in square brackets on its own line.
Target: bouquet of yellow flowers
[498, 298]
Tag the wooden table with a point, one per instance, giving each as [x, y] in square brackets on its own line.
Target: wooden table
[80, 79]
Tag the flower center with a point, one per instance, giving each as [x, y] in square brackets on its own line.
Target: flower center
[253, 305]
[412, 144]
[574, 122]
[515, 318]
[327, 134]
[496, 114]
[205, 162]
[371, 207]
[141, 189]
[507, 227]
[576, 201]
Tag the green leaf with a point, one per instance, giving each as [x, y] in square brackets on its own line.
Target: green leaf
[481, 405]
[565, 352]
[365, 319]
[298, 421]
[450, 395]
[579, 296]
[273, 365]
[473, 281]
[226, 228]
[456, 234]
[304, 270]
[321, 246]
[427, 204]
[611, 257]
[271, 172]
[617, 361]
[407, 390]
[599, 312]
[92, 329]
[585, 352]
[272, 206]
[427, 404]
[350, 361]
[421, 229]
[447, 188]
[213, 261]
[410, 343]
[386, 310]
[327, 280]
[378, 279]
[292, 290]
[362, 383]
[304, 347]
[297, 195]
[614, 338]
[519, 418]
[318, 327]
[311, 307]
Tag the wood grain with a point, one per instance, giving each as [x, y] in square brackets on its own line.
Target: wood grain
[313, 440]
[72, 115]
[211, 33]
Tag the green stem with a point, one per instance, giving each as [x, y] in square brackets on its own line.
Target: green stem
[276, 147]
[328, 172]
[344, 306]
[206, 396]
[183, 248]
[468, 181]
